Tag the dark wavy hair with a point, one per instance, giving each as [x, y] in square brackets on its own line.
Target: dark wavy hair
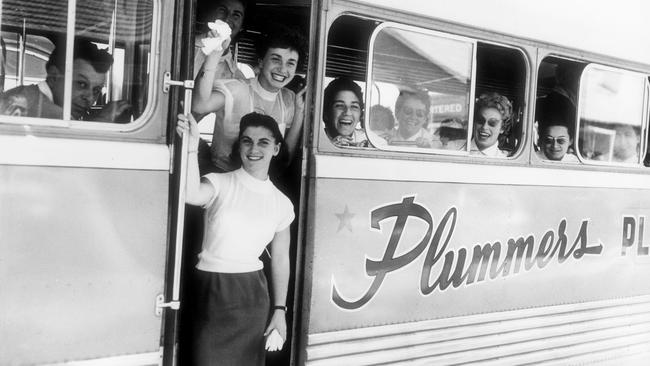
[555, 110]
[335, 86]
[282, 37]
[255, 119]
[100, 59]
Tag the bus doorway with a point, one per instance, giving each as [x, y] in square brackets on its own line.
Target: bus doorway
[260, 19]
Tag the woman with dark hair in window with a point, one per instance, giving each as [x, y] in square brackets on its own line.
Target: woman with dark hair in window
[556, 117]
[492, 118]
[342, 113]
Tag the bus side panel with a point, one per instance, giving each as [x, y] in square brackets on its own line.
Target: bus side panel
[83, 257]
[390, 252]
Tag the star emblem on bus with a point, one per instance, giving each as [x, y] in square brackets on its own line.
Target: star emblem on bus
[345, 219]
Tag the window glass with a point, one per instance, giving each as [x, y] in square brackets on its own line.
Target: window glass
[109, 74]
[37, 50]
[422, 82]
[611, 106]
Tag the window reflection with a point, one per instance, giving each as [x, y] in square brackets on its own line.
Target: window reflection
[611, 115]
[422, 81]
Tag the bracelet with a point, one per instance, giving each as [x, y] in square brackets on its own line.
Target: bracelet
[280, 307]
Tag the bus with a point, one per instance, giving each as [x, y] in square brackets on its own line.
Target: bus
[402, 253]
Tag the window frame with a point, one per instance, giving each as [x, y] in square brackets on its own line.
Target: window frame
[472, 36]
[645, 132]
[74, 126]
[535, 128]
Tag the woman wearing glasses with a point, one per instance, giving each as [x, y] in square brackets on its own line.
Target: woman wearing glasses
[412, 113]
[555, 117]
[492, 118]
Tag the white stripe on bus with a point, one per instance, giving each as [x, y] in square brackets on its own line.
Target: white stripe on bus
[341, 167]
[47, 151]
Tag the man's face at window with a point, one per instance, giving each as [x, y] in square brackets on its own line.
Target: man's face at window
[87, 86]
[231, 12]
[626, 143]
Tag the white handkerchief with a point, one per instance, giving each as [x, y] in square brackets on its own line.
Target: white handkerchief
[211, 44]
[274, 341]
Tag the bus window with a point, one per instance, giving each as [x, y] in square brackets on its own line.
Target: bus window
[555, 114]
[501, 75]
[106, 77]
[611, 108]
[421, 89]
[424, 78]
[344, 78]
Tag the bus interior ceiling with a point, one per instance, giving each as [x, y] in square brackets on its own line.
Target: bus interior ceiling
[347, 47]
[549, 69]
[502, 70]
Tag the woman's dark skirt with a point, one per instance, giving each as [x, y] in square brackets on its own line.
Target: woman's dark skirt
[230, 315]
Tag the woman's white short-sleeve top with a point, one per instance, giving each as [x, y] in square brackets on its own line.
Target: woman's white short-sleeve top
[240, 221]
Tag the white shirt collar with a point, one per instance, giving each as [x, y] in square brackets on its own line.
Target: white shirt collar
[492, 151]
[265, 94]
[251, 182]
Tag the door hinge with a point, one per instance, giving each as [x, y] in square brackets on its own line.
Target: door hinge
[167, 82]
[160, 304]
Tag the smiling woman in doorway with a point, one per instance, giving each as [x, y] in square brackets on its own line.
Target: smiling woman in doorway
[232, 301]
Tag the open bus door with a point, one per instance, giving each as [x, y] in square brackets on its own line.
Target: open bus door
[87, 208]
